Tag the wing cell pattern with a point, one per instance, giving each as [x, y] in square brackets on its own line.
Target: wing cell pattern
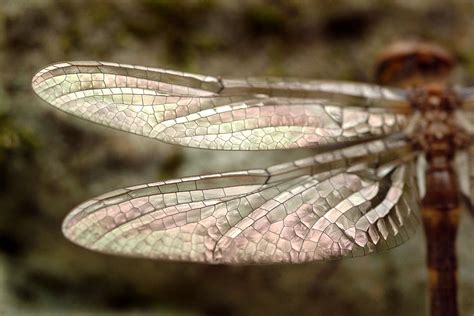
[229, 114]
[348, 202]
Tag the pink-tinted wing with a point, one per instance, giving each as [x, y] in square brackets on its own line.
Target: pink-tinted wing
[230, 114]
[348, 202]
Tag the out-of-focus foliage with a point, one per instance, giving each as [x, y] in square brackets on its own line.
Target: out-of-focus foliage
[49, 161]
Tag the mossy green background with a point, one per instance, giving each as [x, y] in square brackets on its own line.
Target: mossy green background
[50, 162]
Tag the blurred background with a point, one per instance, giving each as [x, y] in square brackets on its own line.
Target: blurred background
[50, 162]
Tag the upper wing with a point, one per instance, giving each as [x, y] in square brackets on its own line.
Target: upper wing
[348, 202]
[232, 114]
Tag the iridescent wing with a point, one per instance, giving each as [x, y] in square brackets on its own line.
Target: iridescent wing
[347, 202]
[230, 114]
[464, 162]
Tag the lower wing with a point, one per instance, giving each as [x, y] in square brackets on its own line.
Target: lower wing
[348, 202]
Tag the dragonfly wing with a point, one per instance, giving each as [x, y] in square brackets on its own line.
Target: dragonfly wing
[348, 213]
[465, 172]
[230, 114]
[347, 202]
[465, 119]
[467, 96]
[360, 94]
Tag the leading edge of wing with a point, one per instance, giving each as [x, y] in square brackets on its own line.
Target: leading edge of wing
[349, 202]
[92, 74]
[194, 111]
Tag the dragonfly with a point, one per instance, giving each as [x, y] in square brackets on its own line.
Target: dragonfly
[386, 158]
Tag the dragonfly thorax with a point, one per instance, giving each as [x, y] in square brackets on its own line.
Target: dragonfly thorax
[437, 131]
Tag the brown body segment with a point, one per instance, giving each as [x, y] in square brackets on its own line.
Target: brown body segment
[440, 215]
[426, 67]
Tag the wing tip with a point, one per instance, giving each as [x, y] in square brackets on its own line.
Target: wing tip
[46, 72]
[68, 225]
[43, 74]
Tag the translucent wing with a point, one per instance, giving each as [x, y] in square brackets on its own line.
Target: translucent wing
[465, 120]
[231, 114]
[467, 96]
[464, 165]
[349, 202]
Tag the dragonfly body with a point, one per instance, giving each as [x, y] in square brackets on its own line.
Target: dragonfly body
[440, 137]
[357, 195]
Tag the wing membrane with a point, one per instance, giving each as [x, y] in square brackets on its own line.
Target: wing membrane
[465, 119]
[464, 166]
[230, 114]
[467, 96]
[348, 202]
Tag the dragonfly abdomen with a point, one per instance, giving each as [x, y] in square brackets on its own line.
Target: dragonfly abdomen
[440, 214]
